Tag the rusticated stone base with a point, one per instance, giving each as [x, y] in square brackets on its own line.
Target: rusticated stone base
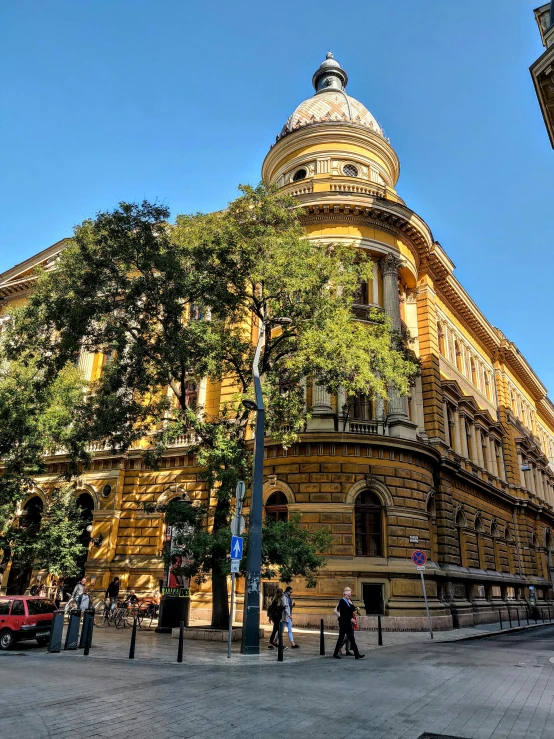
[206, 633]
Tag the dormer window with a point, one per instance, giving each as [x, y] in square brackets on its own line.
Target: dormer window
[300, 174]
[350, 170]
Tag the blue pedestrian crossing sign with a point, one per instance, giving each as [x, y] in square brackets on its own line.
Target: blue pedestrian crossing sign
[236, 547]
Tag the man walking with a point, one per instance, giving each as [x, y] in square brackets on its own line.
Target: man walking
[345, 610]
[290, 604]
[112, 592]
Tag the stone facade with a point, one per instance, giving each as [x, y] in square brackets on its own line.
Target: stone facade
[462, 469]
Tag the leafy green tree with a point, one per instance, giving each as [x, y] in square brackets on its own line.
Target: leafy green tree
[169, 304]
[55, 544]
[289, 549]
[35, 418]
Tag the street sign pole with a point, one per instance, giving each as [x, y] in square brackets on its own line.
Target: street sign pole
[231, 614]
[426, 604]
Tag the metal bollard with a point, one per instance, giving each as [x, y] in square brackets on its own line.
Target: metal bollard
[55, 643]
[379, 631]
[280, 647]
[500, 618]
[181, 641]
[72, 633]
[133, 640]
[536, 617]
[542, 614]
[549, 615]
[88, 636]
[510, 617]
[518, 621]
[88, 615]
[527, 614]
[321, 639]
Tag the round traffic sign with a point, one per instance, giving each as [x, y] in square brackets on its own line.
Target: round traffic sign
[419, 557]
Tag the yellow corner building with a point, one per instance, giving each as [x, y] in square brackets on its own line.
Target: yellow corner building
[462, 469]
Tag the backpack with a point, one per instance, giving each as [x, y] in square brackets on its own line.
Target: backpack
[275, 611]
[34, 590]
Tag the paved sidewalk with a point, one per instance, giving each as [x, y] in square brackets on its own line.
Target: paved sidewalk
[110, 643]
[499, 688]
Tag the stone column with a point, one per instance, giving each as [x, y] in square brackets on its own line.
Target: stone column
[341, 401]
[375, 285]
[522, 481]
[322, 413]
[491, 455]
[398, 421]
[321, 399]
[419, 408]
[410, 311]
[463, 435]
[473, 448]
[202, 388]
[446, 423]
[500, 462]
[479, 445]
[494, 457]
[457, 435]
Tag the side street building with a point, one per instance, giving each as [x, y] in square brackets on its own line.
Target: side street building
[542, 71]
[462, 469]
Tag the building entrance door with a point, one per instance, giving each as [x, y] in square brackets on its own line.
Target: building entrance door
[373, 598]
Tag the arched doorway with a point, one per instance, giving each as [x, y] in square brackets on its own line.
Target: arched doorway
[368, 513]
[20, 572]
[85, 503]
[276, 507]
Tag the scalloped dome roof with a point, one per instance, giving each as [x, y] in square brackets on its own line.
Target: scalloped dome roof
[332, 106]
[330, 102]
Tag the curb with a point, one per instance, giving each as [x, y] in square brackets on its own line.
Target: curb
[488, 634]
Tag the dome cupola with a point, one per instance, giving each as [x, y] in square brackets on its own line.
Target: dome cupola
[332, 143]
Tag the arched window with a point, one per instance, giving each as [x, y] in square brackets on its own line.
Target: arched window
[276, 508]
[32, 514]
[368, 513]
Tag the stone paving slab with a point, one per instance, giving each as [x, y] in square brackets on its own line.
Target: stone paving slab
[500, 688]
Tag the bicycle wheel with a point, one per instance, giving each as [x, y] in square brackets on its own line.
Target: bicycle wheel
[120, 618]
[101, 619]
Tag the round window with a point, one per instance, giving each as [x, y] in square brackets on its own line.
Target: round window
[300, 174]
[106, 491]
[350, 170]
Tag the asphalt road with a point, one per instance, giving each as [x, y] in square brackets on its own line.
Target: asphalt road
[498, 688]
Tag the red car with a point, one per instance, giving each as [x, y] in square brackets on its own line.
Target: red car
[24, 617]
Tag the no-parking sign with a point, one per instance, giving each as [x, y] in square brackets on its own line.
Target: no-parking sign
[418, 557]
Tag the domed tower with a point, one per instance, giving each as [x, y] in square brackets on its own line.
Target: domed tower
[333, 156]
[364, 466]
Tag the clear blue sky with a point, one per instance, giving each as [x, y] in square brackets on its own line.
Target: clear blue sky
[175, 100]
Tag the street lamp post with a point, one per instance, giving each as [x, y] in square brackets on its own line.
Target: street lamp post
[251, 610]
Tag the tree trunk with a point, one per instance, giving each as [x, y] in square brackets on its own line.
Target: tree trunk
[220, 602]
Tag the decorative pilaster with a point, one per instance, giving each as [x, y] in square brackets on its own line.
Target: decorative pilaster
[479, 445]
[463, 434]
[472, 443]
[398, 420]
[456, 429]
[446, 423]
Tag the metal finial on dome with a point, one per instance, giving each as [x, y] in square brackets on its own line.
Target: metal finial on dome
[330, 75]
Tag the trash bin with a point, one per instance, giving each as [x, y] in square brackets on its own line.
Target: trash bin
[173, 610]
